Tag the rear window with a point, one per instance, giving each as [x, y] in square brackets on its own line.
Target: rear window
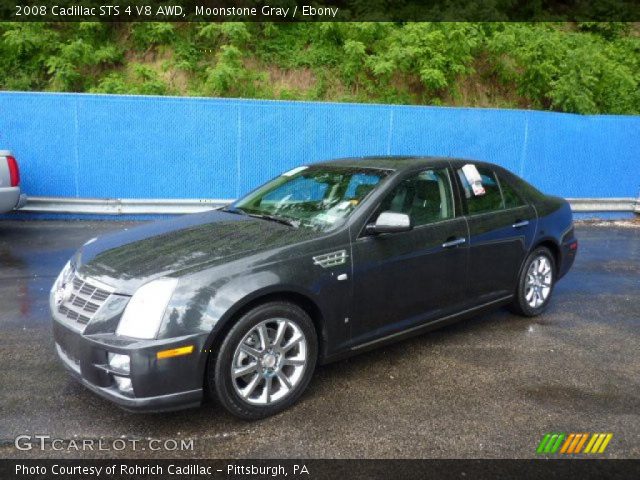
[526, 189]
[511, 198]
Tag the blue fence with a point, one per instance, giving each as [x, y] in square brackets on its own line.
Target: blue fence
[79, 145]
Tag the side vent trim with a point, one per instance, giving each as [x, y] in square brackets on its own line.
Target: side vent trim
[333, 259]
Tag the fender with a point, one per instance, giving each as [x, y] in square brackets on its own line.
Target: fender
[237, 295]
[535, 244]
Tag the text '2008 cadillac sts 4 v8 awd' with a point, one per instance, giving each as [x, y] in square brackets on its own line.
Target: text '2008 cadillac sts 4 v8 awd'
[322, 262]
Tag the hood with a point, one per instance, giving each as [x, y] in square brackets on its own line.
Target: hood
[128, 259]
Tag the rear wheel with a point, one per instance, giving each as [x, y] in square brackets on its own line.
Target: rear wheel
[266, 361]
[536, 283]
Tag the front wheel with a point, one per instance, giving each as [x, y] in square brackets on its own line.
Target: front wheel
[535, 284]
[266, 361]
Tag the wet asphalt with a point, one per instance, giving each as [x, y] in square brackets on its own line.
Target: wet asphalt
[490, 386]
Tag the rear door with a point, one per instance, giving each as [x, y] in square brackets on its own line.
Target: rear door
[501, 229]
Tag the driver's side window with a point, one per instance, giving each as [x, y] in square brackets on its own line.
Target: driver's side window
[426, 197]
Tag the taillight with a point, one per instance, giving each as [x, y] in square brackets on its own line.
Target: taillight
[14, 171]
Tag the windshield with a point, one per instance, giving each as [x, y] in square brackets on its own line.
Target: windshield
[318, 197]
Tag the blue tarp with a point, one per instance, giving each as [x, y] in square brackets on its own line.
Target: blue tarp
[79, 145]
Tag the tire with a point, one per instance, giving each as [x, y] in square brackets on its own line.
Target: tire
[533, 299]
[278, 369]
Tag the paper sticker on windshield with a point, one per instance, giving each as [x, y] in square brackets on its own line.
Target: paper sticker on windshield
[474, 178]
[291, 173]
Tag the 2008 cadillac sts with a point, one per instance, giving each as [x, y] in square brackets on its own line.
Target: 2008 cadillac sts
[322, 262]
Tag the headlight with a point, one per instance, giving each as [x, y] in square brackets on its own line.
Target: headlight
[64, 277]
[144, 312]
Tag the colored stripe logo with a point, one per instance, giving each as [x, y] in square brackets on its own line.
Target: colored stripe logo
[573, 443]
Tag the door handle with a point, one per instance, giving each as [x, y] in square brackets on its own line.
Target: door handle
[522, 223]
[454, 243]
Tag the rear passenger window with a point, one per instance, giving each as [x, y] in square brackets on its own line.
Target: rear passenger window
[486, 199]
[511, 198]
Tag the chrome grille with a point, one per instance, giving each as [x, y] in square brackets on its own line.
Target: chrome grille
[85, 300]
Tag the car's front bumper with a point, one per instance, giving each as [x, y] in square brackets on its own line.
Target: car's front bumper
[158, 384]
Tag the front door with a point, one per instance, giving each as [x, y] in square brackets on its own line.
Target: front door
[401, 280]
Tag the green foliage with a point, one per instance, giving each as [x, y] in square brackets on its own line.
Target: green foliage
[229, 76]
[434, 52]
[149, 34]
[24, 49]
[568, 71]
[608, 30]
[585, 67]
[141, 80]
[54, 57]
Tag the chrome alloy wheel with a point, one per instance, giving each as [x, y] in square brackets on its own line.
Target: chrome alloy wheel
[538, 283]
[269, 362]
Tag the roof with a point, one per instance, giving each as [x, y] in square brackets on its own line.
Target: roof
[396, 162]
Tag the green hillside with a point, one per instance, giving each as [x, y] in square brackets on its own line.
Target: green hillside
[583, 67]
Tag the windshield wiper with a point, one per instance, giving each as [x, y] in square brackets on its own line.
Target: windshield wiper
[264, 216]
[273, 218]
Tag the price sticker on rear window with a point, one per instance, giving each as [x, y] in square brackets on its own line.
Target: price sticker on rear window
[474, 178]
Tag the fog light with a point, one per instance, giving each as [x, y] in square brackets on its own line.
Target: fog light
[123, 384]
[120, 363]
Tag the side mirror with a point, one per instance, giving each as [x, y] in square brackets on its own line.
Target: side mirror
[390, 222]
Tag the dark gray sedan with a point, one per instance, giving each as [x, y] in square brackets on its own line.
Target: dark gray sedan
[322, 262]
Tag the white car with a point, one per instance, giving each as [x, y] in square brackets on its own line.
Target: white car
[10, 195]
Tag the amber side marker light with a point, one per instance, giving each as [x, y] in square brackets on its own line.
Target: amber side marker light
[174, 352]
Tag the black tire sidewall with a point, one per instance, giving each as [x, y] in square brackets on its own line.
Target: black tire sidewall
[225, 392]
[521, 302]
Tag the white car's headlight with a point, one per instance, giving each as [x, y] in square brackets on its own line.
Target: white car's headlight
[144, 312]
